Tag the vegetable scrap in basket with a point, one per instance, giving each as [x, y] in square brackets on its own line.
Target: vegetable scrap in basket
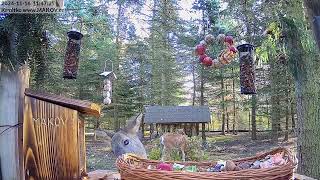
[268, 162]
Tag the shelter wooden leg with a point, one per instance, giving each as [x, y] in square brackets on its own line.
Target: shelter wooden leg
[194, 131]
[203, 132]
[197, 129]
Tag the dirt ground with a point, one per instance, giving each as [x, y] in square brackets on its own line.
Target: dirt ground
[100, 156]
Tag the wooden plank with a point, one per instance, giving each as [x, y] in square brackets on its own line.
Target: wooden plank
[301, 177]
[84, 107]
[103, 175]
[12, 85]
[51, 143]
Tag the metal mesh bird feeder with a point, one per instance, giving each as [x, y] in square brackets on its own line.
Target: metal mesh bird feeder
[109, 76]
[247, 69]
[71, 60]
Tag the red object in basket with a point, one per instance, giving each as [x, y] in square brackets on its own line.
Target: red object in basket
[202, 57]
[200, 49]
[165, 167]
[233, 49]
[229, 40]
[207, 61]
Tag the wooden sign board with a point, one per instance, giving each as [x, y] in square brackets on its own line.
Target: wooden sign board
[51, 144]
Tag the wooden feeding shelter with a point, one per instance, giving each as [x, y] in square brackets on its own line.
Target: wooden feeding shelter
[170, 118]
[41, 134]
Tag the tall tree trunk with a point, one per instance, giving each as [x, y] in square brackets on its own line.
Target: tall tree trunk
[228, 130]
[292, 112]
[268, 115]
[253, 118]
[313, 10]
[222, 104]
[202, 68]
[234, 104]
[249, 116]
[308, 106]
[117, 69]
[194, 84]
[275, 97]
[287, 104]
[227, 114]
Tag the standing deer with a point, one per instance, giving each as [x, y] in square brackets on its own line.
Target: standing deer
[127, 141]
[170, 141]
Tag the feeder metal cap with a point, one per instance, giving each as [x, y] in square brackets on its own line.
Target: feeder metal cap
[245, 47]
[74, 35]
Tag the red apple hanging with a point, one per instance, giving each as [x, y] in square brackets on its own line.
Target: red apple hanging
[229, 40]
[207, 61]
[202, 57]
[200, 49]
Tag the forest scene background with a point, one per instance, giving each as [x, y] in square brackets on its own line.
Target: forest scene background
[151, 45]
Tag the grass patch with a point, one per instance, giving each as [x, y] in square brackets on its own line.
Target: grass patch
[220, 138]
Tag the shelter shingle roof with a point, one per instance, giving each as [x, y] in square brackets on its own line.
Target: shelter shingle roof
[176, 114]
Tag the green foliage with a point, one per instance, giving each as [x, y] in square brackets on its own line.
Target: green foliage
[194, 151]
[155, 153]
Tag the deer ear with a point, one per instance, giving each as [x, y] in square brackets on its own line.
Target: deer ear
[134, 124]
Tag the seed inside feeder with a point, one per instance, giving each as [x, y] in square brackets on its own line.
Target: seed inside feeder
[247, 69]
[71, 61]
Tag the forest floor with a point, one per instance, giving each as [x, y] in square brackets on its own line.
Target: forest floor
[100, 156]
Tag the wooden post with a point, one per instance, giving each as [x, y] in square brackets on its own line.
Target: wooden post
[157, 128]
[197, 129]
[12, 87]
[82, 145]
[151, 130]
[189, 130]
[193, 129]
[203, 132]
[171, 128]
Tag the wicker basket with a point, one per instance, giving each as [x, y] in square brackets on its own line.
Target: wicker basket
[134, 168]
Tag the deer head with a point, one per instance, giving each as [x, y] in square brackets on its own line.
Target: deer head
[127, 141]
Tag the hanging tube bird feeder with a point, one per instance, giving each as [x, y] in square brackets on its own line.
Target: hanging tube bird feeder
[71, 60]
[109, 76]
[247, 69]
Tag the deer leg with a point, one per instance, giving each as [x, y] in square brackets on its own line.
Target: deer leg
[183, 155]
[163, 153]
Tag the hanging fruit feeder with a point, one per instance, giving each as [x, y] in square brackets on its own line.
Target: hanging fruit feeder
[109, 76]
[247, 69]
[71, 60]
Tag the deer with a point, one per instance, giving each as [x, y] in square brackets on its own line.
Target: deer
[169, 141]
[126, 140]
